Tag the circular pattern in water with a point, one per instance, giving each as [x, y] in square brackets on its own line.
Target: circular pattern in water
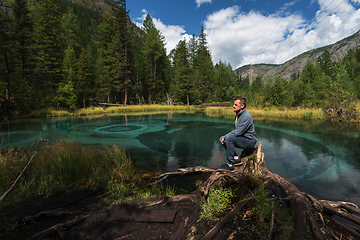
[119, 128]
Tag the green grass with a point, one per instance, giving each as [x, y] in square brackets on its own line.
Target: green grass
[305, 114]
[220, 198]
[49, 113]
[110, 110]
[89, 111]
[283, 113]
[62, 167]
[148, 108]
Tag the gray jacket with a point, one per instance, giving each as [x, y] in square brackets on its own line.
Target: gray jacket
[244, 127]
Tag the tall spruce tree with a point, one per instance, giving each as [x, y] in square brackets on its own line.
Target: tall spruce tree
[49, 50]
[121, 38]
[104, 35]
[67, 96]
[155, 62]
[82, 84]
[183, 71]
[204, 69]
[23, 62]
[5, 48]
[325, 62]
[225, 82]
[114, 53]
[23, 36]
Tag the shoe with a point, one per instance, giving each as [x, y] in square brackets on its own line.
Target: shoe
[237, 161]
[230, 166]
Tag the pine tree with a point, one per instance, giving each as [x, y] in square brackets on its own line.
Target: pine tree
[121, 38]
[343, 91]
[82, 84]
[71, 27]
[67, 96]
[183, 71]
[225, 82]
[23, 62]
[155, 60]
[23, 35]
[104, 36]
[5, 47]
[204, 68]
[115, 52]
[49, 50]
[193, 48]
[325, 62]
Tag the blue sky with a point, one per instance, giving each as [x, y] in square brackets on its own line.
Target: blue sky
[243, 32]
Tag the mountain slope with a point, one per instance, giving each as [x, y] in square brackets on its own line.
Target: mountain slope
[295, 65]
[99, 5]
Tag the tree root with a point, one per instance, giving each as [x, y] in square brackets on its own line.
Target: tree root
[54, 230]
[182, 171]
[211, 234]
[305, 208]
[272, 222]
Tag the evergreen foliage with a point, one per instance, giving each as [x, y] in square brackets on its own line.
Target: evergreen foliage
[59, 54]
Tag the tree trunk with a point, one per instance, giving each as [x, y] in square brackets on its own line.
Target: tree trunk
[7, 75]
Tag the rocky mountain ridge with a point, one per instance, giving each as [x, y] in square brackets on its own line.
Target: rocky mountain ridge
[103, 6]
[295, 65]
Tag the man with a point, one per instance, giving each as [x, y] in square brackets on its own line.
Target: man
[243, 134]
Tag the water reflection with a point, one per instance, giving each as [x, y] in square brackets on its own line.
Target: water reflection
[316, 156]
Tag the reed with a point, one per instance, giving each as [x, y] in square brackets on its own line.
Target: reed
[148, 108]
[131, 109]
[89, 111]
[107, 110]
[49, 113]
[300, 113]
[62, 167]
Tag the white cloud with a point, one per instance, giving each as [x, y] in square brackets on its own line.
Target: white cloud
[241, 38]
[247, 38]
[199, 2]
[172, 33]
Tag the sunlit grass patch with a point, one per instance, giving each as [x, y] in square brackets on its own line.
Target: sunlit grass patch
[49, 113]
[89, 111]
[148, 108]
[301, 113]
[220, 201]
[62, 167]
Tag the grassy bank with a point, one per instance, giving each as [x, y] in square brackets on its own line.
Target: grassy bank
[305, 114]
[109, 110]
[62, 167]
[300, 113]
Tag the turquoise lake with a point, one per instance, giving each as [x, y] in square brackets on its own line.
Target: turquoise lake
[322, 158]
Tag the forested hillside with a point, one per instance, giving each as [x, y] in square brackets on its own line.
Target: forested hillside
[296, 64]
[63, 54]
[60, 54]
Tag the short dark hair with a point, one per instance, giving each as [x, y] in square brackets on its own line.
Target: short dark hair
[241, 99]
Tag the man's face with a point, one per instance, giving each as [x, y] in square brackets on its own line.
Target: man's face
[237, 106]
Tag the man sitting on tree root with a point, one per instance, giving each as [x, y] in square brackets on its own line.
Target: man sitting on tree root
[243, 134]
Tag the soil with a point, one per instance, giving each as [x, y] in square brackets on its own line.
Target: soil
[82, 215]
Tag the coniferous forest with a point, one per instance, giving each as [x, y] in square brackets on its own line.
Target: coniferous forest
[59, 54]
